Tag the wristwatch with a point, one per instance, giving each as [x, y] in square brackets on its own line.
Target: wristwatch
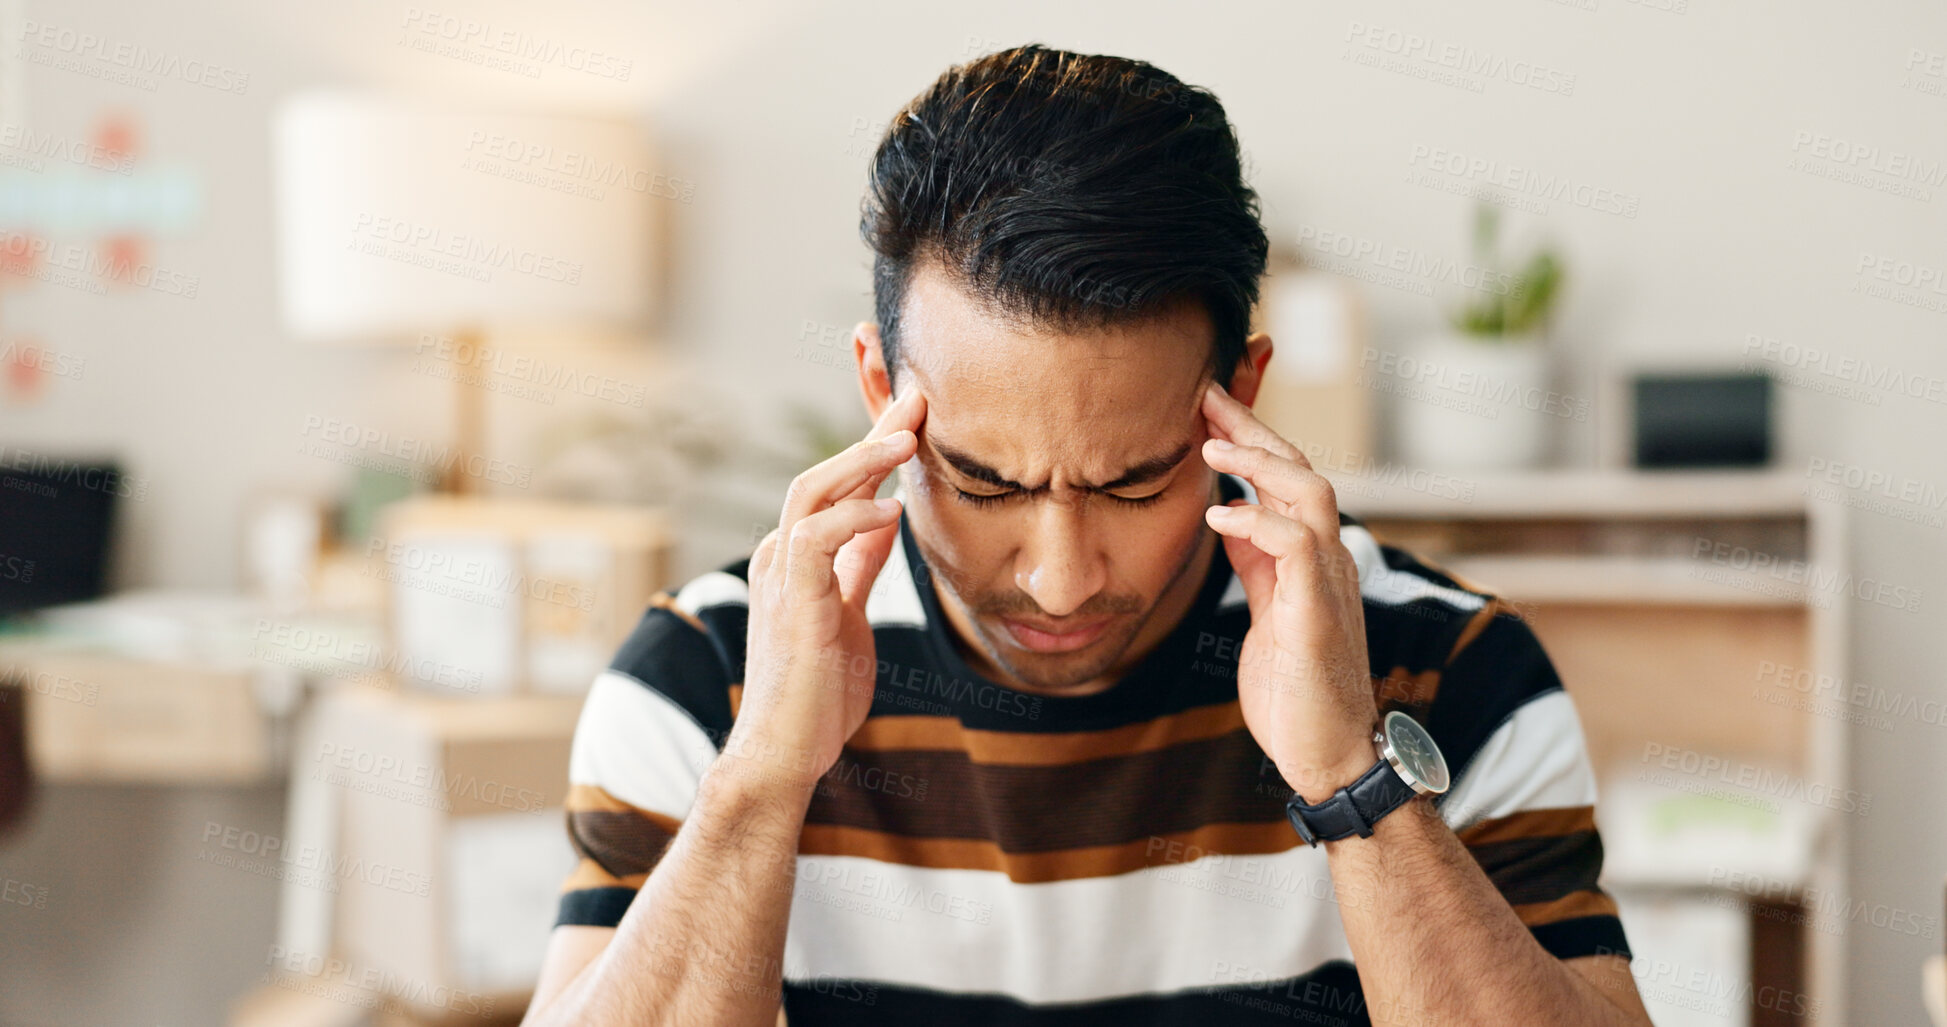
[1409, 764]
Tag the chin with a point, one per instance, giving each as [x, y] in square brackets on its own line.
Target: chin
[1060, 671]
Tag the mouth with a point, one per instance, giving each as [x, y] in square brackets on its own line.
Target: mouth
[1054, 638]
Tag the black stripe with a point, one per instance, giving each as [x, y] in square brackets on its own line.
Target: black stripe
[1541, 869]
[1583, 936]
[729, 626]
[668, 654]
[1330, 996]
[594, 907]
[1501, 670]
[1418, 635]
[1113, 800]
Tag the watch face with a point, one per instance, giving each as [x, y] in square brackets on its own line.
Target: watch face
[1415, 754]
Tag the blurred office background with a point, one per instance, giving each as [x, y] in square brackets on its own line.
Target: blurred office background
[363, 368]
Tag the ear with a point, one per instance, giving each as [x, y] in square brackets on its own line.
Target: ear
[875, 386]
[1249, 374]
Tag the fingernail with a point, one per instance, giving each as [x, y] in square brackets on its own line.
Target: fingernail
[887, 505]
[1222, 445]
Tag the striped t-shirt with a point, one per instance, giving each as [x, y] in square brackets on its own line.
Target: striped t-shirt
[982, 855]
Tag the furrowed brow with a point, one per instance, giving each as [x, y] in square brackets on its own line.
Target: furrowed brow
[1140, 474]
[1149, 470]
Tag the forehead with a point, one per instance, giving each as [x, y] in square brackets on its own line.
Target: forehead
[1032, 399]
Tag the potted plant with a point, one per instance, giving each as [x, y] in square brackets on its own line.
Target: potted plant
[1480, 396]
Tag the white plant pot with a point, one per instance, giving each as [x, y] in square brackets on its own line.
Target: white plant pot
[1466, 404]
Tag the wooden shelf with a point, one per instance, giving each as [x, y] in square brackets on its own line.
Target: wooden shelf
[1624, 579]
[1608, 495]
[1640, 586]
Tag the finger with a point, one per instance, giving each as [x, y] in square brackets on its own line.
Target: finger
[765, 554]
[1233, 421]
[859, 562]
[908, 412]
[1292, 546]
[842, 476]
[1284, 485]
[812, 546]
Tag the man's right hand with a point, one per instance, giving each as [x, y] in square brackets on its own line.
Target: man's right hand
[811, 666]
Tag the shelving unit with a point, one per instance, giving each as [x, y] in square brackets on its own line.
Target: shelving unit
[1660, 597]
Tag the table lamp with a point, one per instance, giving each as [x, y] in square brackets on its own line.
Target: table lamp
[399, 223]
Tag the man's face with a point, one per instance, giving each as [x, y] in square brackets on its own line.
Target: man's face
[1059, 487]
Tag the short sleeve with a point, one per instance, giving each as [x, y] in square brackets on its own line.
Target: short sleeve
[1523, 801]
[651, 725]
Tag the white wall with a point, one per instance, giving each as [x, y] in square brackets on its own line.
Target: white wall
[1693, 112]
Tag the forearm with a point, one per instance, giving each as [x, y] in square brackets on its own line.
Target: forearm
[1434, 941]
[703, 942]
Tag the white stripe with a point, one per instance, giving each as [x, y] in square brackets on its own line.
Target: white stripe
[635, 744]
[715, 588]
[1234, 594]
[1537, 760]
[1161, 929]
[894, 599]
[1389, 587]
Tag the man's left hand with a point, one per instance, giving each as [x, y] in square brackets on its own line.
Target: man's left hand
[1303, 678]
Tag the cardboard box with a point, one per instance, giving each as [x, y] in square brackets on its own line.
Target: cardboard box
[1314, 391]
[296, 1000]
[94, 716]
[497, 596]
[449, 846]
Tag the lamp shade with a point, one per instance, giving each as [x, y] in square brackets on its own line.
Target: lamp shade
[396, 220]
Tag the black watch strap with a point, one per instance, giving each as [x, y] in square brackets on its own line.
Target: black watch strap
[1351, 810]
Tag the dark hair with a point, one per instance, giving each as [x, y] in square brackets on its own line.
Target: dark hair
[1070, 191]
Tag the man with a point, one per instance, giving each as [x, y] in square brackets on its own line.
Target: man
[1078, 726]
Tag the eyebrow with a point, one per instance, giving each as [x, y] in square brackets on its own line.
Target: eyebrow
[1139, 474]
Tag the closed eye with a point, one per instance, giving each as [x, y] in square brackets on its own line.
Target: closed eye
[978, 499]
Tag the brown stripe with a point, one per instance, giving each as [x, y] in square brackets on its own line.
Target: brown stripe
[1016, 748]
[665, 601]
[589, 874]
[923, 793]
[1043, 867]
[1053, 748]
[586, 798]
[1494, 607]
[1402, 687]
[1582, 903]
[623, 839]
[623, 843]
[1534, 823]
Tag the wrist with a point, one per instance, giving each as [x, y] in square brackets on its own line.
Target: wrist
[755, 766]
[1317, 779]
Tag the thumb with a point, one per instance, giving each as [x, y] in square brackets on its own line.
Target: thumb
[859, 561]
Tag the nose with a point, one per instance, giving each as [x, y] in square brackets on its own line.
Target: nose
[1059, 564]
